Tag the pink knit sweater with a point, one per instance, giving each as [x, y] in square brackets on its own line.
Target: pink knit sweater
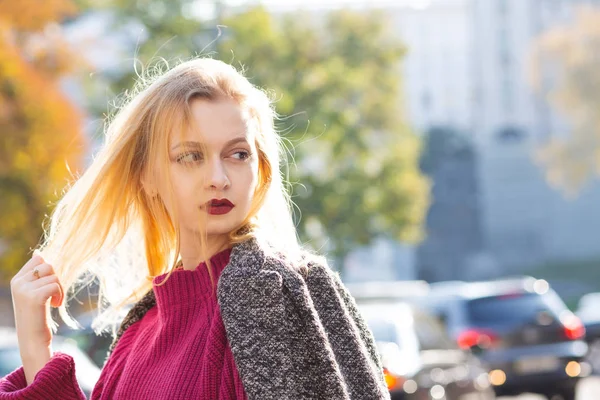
[178, 350]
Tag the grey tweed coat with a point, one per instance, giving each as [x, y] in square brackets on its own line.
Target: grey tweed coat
[294, 330]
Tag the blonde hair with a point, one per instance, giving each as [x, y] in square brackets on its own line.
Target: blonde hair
[109, 230]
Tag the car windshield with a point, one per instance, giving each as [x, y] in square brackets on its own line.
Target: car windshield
[384, 331]
[509, 308]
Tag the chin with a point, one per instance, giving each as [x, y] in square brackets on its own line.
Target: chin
[218, 225]
[219, 229]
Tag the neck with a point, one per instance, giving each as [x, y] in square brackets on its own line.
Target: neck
[191, 251]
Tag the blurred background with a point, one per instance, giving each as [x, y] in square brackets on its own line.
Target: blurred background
[444, 155]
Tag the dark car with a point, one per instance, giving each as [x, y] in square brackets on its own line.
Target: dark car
[520, 329]
[589, 312]
[420, 361]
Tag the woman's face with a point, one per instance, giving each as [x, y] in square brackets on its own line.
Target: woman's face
[213, 169]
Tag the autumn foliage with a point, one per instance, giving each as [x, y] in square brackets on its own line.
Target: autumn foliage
[41, 138]
[565, 69]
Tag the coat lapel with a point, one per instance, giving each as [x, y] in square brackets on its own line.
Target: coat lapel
[277, 339]
[252, 310]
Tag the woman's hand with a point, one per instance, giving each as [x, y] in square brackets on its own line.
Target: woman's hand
[34, 288]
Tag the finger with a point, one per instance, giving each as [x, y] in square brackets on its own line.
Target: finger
[47, 270]
[37, 255]
[43, 270]
[38, 283]
[33, 262]
[57, 301]
[48, 291]
[49, 279]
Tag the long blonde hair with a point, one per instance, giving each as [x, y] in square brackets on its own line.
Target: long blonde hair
[108, 230]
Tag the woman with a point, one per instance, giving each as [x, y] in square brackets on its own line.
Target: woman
[184, 212]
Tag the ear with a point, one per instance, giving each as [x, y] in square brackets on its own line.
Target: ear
[152, 193]
[149, 187]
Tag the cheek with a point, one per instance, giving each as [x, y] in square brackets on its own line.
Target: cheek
[178, 195]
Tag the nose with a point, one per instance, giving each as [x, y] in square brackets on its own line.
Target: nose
[217, 176]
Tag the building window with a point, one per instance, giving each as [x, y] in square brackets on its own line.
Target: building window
[510, 134]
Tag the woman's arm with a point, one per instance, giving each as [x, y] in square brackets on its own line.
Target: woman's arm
[34, 289]
[365, 332]
[348, 333]
[55, 380]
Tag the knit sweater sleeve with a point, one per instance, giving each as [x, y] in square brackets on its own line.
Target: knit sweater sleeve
[56, 380]
[361, 324]
[337, 308]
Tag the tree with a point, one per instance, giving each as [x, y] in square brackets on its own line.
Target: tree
[41, 130]
[337, 82]
[565, 68]
[159, 31]
[337, 89]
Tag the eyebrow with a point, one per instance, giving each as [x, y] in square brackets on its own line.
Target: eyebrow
[190, 144]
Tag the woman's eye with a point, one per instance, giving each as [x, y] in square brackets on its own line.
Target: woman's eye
[189, 158]
[241, 155]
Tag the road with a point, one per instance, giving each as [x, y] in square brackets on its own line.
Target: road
[588, 389]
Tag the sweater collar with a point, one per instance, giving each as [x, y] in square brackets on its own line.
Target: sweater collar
[240, 261]
[184, 286]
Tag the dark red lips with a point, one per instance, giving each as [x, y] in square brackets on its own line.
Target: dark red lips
[219, 206]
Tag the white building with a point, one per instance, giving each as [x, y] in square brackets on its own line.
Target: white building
[526, 222]
[467, 67]
[436, 69]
